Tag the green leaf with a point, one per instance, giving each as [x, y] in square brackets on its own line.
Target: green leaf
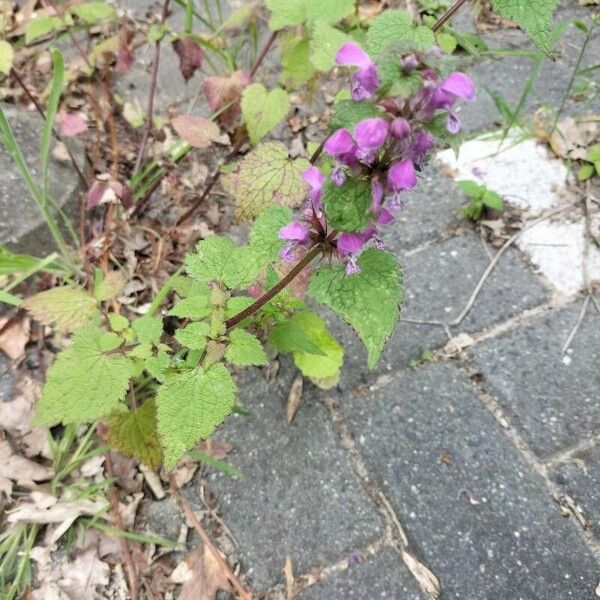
[397, 25]
[117, 322]
[347, 113]
[326, 366]
[534, 17]
[157, 365]
[148, 329]
[291, 336]
[447, 42]
[94, 12]
[266, 176]
[215, 463]
[109, 287]
[245, 349]
[193, 336]
[295, 61]
[64, 308]
[369, 301]
[585, 172]
[470, 188]
[263, 110]
[194, 307]
[296, 12]
[236, 305]
[219, 259]
[264, 235]
[325, 43]
[493, 200]
[285, 12]
[6, 57]
[348, 206]
[86, 381]
[41, 26]
[134, 433]
[189, 407]
[594, 154]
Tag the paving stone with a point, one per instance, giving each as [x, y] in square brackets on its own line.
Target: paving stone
[383, 576]
[22, 227]
[299, 495]
[7, 379]
[431, 444]
[552, 400]
[579, 477]
[439, 280]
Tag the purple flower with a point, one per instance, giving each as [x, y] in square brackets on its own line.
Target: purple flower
[459, 85]
[453, 123]
[402, 175]
[377, 195]
[385, 217]
[409, 63]
[341, 145]
[422, 144]
[400, 127]
[338, 176]
[349, 245]
[370, 134]
[315, 180]
[294, 232]
[365, 81]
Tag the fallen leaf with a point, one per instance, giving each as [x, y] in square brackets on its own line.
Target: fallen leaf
[288, 573]
[294, 398]
[227, 91]
[190, 56]
[458, 343]
[201, 576]
[14, 339]
[60, 152]
[20, 469]
[81, 577]
[427, 580]
[71, 124]
[215, 448]
[197, 131]
[572, 138]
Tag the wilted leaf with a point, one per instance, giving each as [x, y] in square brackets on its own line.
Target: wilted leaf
[227, 91]
[190, 56]
[266, 176]
[64, 308]
[572, 138]
[197, 131]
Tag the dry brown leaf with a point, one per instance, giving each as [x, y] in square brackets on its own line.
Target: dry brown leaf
[21, 469]
[288, 573]
[572, 138]
[427, 580]
[224, 91]
[13, 340]
[190, 56]
[215, 448]
[458, 343]
[201, 576]
[294, 398]
[197, 131]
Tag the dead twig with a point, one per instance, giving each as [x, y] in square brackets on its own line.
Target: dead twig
[242, 592]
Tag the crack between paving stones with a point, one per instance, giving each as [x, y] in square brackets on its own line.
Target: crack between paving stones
[395, 536]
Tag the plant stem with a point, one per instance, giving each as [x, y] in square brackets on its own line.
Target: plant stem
[261, 57]
[448, 14]
[152, 92]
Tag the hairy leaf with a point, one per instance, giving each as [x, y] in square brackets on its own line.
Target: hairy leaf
[285, 12]
[93, 12]
[312, 365]
[193, 336]
[291, 336]
[148, 329]
[347, 113]
[110, 287]
[134, 433]
[86, 381]
[394, 25]
[295, 61]
[189, 407]
[369, 301]
[348, 206]
[533, 16]
[263, 110]
[266, 176]
[325, 43]
[245, 349]
[264, 235]
[64, 308]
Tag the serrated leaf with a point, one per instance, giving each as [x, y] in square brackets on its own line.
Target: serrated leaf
[193, 336]
[394, 25]
[264, 235]
[369, 301]
[64, 308]
[134, 433]
[291, 336]
[312, 365]
[219, 259]
[148, 329]
[236, 305]
[194, 307]
[190, 405]
[296, 12]
[263, 110]
[325, 43]
[285, 12]
[534, 17]
[347, 113]
[245, 349]
[348, 206]
[117, 322]
[266, 176]
[86, 381]
[157, 365]
[295, 61]
[6, 57]
[110, 287]
[94, 12]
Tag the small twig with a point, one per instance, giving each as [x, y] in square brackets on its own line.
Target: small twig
[448, 14]
[242, 592]
[132, 576]
[152, 92]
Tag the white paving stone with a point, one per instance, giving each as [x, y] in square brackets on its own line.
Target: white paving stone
[522, 171]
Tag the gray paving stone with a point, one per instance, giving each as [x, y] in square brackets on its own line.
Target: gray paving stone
[430, 443]
[22, 227]
[439, 281]
[580, 479]
[551, 400]
[299, 495]
[383, 576]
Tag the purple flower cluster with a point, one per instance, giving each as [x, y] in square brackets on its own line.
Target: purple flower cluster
[386, 150]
